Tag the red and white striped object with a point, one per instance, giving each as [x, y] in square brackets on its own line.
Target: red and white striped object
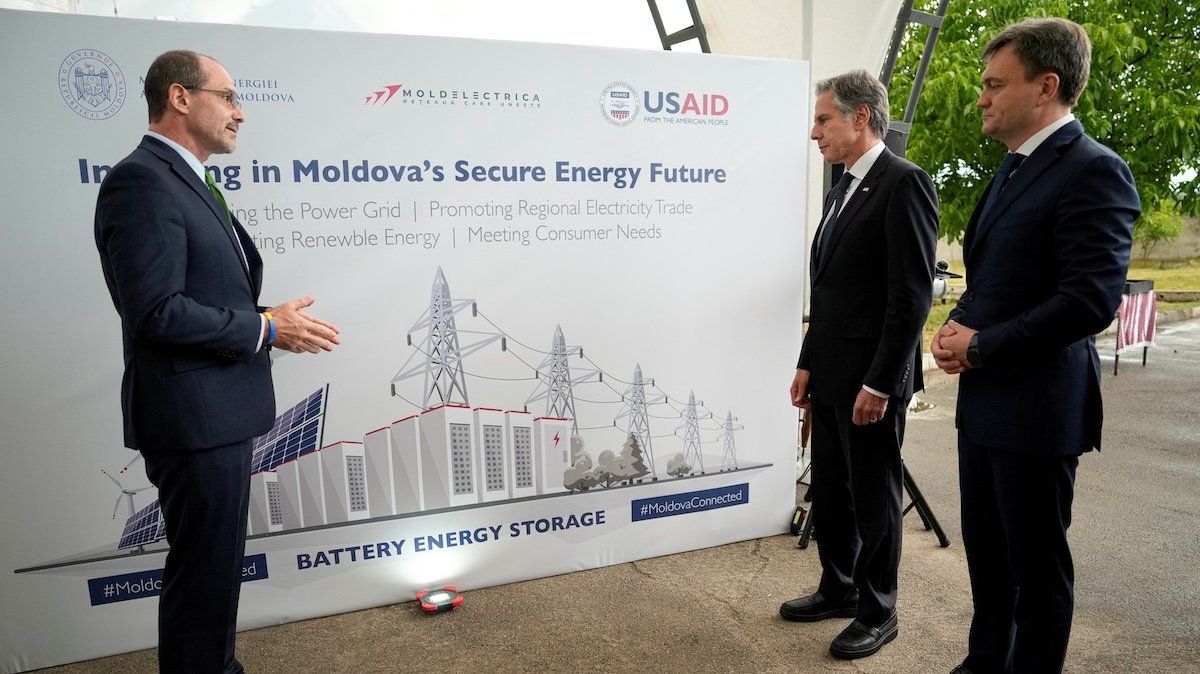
[1136, 321]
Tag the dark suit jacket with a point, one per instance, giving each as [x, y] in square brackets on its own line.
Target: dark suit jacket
[188, 307]
[872, 292]
[1045, 272]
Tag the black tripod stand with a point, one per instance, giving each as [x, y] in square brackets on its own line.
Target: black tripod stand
[916, 502]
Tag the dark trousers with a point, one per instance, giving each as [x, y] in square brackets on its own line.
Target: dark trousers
[856, 505]
[204, 496]
[1016, 508]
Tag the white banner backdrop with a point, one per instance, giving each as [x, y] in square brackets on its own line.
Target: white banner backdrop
[647, 205]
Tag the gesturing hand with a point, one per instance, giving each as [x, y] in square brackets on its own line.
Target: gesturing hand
[297, 331]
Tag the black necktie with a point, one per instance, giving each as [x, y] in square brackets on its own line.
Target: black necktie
[1011, 162]
[839, 197]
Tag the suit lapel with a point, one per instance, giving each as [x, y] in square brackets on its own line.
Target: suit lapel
[185, 173]
[862, 194]
[1026, 176]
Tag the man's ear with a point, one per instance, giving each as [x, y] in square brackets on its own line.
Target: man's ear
[1049, 88]
[177, 99]
[862, 117]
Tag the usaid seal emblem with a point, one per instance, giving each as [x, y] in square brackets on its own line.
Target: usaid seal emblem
[619, 103]
[91, 84]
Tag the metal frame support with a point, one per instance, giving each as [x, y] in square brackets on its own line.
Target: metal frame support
[898, 130]
[692, 32]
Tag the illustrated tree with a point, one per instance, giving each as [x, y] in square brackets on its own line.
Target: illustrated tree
[1143, 101]
[678, 467]
[634, 458]
[580, 477]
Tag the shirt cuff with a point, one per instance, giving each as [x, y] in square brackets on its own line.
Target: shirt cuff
[872, 391]
[262, 327]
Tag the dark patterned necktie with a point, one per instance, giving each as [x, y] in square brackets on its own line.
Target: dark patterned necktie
[1012, 161]
[839, 197]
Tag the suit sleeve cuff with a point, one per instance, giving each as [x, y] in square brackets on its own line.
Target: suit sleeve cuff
[873, 392]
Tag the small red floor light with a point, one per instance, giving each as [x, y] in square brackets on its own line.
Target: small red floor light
[439, 601]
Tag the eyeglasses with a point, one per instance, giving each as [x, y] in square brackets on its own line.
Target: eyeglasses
[230, 97]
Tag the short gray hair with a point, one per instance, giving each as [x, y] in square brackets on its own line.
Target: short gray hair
[855, 89]
[1050, 45]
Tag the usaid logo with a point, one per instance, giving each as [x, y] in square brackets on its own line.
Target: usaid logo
[91, 84]
[619, 103]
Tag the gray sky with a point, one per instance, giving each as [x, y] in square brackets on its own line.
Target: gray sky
[613, 23]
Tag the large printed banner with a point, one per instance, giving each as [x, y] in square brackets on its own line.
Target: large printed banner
[567, 280]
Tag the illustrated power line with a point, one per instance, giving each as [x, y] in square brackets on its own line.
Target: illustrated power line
[692, 455]
[634, 412]
[729, 456]
[555, 382]
[439, 353]
[445, 382]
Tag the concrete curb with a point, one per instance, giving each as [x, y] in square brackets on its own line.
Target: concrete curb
[1172, 316]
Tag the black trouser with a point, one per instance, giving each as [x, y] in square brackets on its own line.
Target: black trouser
[1016, 508]
[204, 497]
[857, 506]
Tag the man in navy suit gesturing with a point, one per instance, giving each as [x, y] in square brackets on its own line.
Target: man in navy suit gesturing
[185, 277]
[1046, 253]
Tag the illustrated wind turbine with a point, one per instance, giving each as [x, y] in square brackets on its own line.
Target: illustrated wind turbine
[127, 493]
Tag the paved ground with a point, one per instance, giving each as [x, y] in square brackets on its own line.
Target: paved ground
[1136, 541]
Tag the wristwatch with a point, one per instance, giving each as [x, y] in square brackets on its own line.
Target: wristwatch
[973, 356]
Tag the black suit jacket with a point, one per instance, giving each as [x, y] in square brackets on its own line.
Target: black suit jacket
[1045, 272]
[871, 291]
[188, 307]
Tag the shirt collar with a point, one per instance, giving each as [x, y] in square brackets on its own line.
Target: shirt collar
[1040, 137]
[865, 162]
[182, 152]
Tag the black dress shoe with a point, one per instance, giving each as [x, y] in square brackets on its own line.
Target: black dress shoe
[961, 669]
[816, 607]
[859, 640]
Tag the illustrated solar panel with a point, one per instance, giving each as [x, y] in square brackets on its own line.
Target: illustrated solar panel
[143, 528]
[296, 432]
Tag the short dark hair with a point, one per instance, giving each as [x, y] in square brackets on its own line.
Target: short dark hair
[178, 66]
[855, 89]
[1049, 45]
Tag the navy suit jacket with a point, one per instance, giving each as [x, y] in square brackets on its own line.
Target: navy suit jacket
[872, 289]
[188, 307]
[1045, 272]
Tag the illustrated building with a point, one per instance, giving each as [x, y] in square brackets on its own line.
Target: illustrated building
[448, 456]
[492, 473]
[518, 432]
[266, 504]
[344, 474]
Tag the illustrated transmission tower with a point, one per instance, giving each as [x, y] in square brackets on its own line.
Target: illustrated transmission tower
[729, 456]
[554, 380]
[637, 418]
[692, 454]
[445, 381]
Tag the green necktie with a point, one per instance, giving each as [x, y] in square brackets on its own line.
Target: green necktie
[212, 187]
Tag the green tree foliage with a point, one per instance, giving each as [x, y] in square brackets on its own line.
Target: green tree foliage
[1143, 101]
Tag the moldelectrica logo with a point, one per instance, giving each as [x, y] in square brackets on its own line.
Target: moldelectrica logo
[91, 84]
[619, 103]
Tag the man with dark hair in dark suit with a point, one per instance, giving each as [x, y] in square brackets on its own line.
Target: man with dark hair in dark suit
[185, 277]
[1046, 253]
[872, 274]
